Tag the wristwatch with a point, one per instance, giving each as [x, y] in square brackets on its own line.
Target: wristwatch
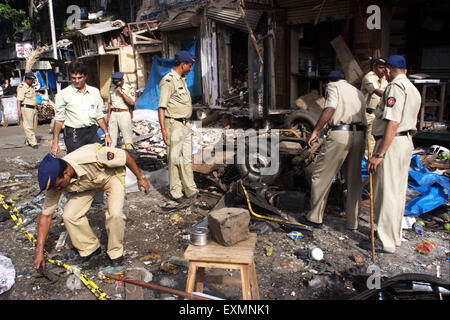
[378, 155]
[107, 133]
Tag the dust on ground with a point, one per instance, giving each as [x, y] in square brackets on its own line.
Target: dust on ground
[156, 234]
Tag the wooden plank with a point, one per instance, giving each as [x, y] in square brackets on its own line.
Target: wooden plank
[352, 70]
[254, 282]
[234, 281]
[127, 65]
[106, 68]
[246, 295]
[241, 252]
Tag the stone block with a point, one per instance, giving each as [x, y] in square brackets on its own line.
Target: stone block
[229, 226]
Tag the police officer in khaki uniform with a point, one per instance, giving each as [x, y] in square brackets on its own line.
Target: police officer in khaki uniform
[174, 111]
[372, 87]
[344, 113]
[27, 107]
[84, 172]
[396, 119]
[121, 98]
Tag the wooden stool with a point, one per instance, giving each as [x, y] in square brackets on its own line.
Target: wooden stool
[213, 255]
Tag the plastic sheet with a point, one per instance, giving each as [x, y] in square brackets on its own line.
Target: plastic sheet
[160, 67]
[432, 188]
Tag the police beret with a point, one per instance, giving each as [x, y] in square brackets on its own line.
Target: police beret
[184, 56]
[379, 60]
[117, 75]
[396, 61]
[336, 74]
[30, 75]
[48, 172]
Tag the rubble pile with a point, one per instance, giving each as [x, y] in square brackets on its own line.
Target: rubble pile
[47, 111]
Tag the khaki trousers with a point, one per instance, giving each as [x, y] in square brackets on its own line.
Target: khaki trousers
[370, 118]
[179, 155]
[29, 124]
[390, 183]
[341, 149]
[77, 224]
[121, 121]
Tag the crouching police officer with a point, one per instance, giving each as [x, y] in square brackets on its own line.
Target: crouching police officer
[84, 172]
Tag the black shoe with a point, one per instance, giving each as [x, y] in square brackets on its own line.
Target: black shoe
[178, 200]
[35, 146]
[366, 245]
[116, 262]
[80, 259]
[303, 220]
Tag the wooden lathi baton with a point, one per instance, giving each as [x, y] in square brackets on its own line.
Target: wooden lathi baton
[372, 227]
[159, 288]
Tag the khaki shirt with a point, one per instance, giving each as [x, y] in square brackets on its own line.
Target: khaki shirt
[401, 103]
[117, 100]
[370, 82]
[94, 165]
[77, 109]
[348, 102]
[26, 94]
[175, 96]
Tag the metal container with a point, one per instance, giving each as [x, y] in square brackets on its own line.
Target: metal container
[199, 236]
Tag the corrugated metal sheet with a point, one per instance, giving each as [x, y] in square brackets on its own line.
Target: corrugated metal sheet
[176, 24]
[233, 18]
[302, 12]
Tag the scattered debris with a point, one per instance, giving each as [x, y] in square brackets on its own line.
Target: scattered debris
[7, 274]
[425, 247]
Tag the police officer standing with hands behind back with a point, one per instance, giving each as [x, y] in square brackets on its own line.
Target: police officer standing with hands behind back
[121, 98]
[27, 107]
[174, 111]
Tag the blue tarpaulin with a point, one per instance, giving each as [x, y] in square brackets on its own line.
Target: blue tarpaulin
[433, 188]
[50, 79]
[160, 67]
[40, 79]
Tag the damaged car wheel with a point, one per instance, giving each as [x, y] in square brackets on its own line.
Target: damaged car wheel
[260, 163]
[302, 121]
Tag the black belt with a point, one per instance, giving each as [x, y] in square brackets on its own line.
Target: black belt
[370, 111]
[178, 119]
[349, 127]
[403, 133]
[28, 106]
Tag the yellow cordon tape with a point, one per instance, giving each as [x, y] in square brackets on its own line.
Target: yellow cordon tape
[14, 213]
[268, 218]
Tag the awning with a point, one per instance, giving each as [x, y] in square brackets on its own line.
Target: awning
[234, 18]
[307, 11]
[102, 27]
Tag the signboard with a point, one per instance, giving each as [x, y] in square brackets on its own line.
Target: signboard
[23, 49]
